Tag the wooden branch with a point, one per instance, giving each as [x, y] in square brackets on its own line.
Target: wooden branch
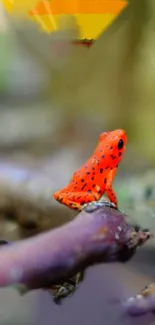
[98, 234]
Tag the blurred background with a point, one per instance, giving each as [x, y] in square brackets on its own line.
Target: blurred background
[67, 73]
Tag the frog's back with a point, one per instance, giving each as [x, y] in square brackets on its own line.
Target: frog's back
[90, 177]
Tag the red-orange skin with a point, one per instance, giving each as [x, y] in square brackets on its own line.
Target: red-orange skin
[95, 176]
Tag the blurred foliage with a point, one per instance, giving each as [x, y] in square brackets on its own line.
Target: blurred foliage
[5, 60]
[110, 85]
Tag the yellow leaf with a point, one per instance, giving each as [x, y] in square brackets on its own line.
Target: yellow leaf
[7, 5]
[19, 7]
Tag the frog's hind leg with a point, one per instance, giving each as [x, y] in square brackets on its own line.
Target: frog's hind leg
[78, 200]
[71, 204]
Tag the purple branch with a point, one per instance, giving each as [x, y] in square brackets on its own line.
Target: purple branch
[143, 303]
[98, 234]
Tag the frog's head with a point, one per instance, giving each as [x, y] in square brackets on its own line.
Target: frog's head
[113, 145]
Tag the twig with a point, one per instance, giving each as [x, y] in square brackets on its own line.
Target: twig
[98, 234]
[26, 194]
[143, 303]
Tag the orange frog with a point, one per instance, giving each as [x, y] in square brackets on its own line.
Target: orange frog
[95, 176]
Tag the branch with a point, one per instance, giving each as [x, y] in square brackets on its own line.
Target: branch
[98, 234]
[26, 193]
[143, 303]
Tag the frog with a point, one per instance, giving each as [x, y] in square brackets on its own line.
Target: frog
[95, 177]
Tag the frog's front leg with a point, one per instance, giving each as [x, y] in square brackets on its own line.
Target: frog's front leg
[108, 188]
[77, 200]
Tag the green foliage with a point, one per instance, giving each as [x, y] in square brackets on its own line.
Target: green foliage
[5, 60]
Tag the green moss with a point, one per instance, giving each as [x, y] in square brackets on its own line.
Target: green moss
[5, 60]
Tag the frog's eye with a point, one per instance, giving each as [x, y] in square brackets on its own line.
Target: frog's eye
[120, 144]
